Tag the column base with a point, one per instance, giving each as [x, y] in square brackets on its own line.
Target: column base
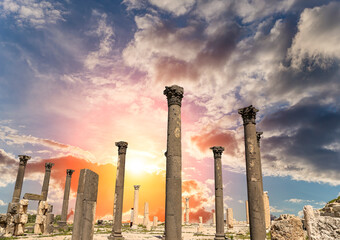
[116, 237]
[220, 237]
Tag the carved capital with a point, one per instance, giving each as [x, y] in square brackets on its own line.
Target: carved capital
[258, 137]
[122, 146]
[69, 172]
[23, 159]
[248, 114]
[136, 187]
[48, 166]
[217, 151]
[174, 94]
[187, 199]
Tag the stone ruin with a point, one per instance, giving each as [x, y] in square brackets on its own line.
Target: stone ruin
[44, 220]
[287, 226]
[13, 223]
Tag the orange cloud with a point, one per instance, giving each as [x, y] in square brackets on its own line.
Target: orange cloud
[216, 137]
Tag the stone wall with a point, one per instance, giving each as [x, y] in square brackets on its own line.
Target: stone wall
[287, 227]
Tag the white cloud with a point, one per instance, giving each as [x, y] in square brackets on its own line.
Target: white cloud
[2, 203]
[318, 36]
[177, 7]
[32, 12]
[296, 200]
[274, 209]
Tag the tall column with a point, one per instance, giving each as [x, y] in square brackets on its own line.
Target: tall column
[146, 214]
[173, 202]
[135, 207]
[254, 176]
[119, 192]
[247, 212]
[64, 209]
[84, 215]
[46, 183]
[187, 211]
[218, 193]
[266, 208]
[20, 178]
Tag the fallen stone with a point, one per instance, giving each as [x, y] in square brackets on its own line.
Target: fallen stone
[287, 227]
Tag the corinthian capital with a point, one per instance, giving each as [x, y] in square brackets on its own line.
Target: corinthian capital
[174, 94]
[248, 114]
[48, 166]
[69, 172]
[136, 187]
[23, 159]
[122, 146]
[217, 151]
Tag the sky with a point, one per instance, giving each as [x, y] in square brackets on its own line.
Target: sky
[78, 76]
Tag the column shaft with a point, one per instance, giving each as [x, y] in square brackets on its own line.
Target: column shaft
[64, 209]
[218, 193]
[173, 202]
[46, 183]
[135, 206]
[119, 192]
[20, 178]
[187, 211]
[254, 175]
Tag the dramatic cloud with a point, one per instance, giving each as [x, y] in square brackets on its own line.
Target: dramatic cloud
[8, 168]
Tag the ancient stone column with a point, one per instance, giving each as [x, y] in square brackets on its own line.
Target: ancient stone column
[155, 221]
[230, 218]
[135, 207]
[266, 209]
[218, 193]
[64, 209]
[46, 183]
[119, 192]
[187, 211]
[173, 202]
[84, 215]
[146, 214]
[258, 138]
[247, 212]
[254, 176]
[213, 218]
[20, 178]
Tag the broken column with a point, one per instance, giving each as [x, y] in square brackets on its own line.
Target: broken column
[44, 220]
[20, 178]
[64, 210]
[46, 183]
[135, 207]
[218, 192]
[187, 211]
[200, 225]
[155, 221]
[119, 192]
[84, 216]
[247, 212]
[266, 209]
[173, 202]
[254, 176]
[230, 218]
[146, 214]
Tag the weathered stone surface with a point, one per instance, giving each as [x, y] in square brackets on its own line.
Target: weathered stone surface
[266, 209]
[146, 214]
[84, 217]
[64, 209]
[135, 207]
[20, 178]
[32, 196]
[46, 182]
[230, 218]
[48, 226]
[287, 227]
[200, 226]
[187, 211]
[320, 227]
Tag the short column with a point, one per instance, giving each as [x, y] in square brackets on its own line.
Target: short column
[84, 216]
[218, 192]
[119, 192]
[254, 176]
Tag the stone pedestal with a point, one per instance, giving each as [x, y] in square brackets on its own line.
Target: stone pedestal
[173, 202]
[20, 178]
[187, 211]
[64, 210]
[146, 215]
[85, 210]
[254, 175]
[46, 183]
[135, 207]
[218, 192]
[119, 192]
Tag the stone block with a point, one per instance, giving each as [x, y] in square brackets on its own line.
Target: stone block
[39, 219]
[13, 208]
[19, 230]
[287, 227]
[38, 228]
[3, 218]
[9, 229]
[23, 218]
